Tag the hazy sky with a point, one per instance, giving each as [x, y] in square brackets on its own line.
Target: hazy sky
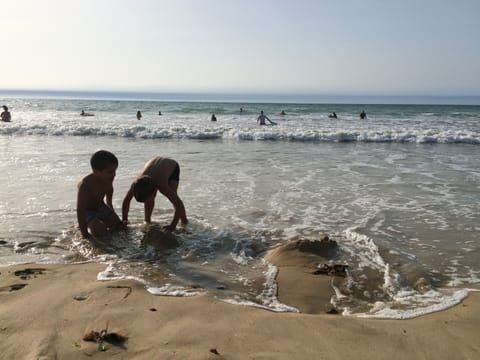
[364, 47]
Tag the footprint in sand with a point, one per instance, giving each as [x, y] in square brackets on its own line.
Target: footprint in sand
[28, 273]
[24, 274]
[13, 287]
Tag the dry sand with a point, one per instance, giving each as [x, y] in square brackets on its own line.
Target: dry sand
[48, 317]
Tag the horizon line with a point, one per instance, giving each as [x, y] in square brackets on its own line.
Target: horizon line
[233, 92]
[230, 96]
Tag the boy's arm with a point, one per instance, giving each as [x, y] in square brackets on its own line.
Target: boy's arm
[126, 205]
[82, 211]
[109, 196]
[148, 206]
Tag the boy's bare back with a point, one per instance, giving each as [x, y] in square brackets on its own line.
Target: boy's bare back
[92, 191]
[159, 169]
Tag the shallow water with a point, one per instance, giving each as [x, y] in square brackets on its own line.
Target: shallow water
[401, 211]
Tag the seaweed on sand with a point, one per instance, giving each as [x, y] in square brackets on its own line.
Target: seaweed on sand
[104, 336]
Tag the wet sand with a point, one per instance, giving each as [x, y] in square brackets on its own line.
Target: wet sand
[45, 313]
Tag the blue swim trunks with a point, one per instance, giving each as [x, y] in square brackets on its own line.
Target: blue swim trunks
[102, 213]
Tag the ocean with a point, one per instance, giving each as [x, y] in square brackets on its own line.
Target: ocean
[399, 192]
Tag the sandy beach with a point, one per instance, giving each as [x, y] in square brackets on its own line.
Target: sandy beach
[46, 310]
[297, 180]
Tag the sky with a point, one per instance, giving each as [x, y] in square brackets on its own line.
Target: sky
[347, 47]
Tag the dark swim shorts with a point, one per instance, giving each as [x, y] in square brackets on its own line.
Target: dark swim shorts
[102, 213]
[175, 175]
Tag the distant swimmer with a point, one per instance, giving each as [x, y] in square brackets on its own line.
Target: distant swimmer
[333, 115]
[159, 113]
[139, 115]
[6, 114]
[214, 118]
[283, 113]
[241, 110]
[262, 117]
[83, 113]
[363, 115]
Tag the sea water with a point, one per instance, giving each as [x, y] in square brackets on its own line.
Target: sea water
[399, 192]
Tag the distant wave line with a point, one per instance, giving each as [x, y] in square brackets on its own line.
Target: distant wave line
[272, 134]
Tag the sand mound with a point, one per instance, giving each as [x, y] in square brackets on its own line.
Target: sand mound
[299, 283]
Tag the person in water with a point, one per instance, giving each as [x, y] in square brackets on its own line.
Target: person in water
[94, 216]
[83, 113]
[139, 115]
[283, 113]
[363, 115]
[333, 115]
[261, 119]
[6, 116]
[159, 174]
[214, 118]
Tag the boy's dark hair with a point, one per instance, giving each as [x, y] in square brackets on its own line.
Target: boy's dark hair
[143, 188]
[101, 159]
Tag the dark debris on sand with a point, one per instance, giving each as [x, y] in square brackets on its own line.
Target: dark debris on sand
[29, 272]
[323, 247]
[104, 336]
[331, 270]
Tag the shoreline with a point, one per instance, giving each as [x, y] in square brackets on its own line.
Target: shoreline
[45, 313]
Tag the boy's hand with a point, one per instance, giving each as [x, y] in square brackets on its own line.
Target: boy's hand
[122, 225]
[169, 228]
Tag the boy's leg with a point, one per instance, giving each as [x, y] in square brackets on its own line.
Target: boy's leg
[112, 221]
[97, 227]
[104, 219]
[173, 184]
